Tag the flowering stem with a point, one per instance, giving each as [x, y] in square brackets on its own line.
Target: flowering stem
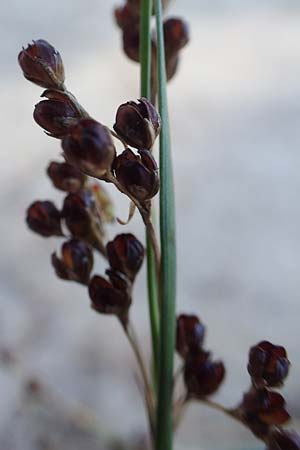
[233, 413]
[182, 403]
[164, 421]
[130, 333]
[152, 279]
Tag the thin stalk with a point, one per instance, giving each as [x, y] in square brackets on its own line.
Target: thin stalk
[144, 214]
[130, 333]
[164, 435]
[182, 403]
[152, 280]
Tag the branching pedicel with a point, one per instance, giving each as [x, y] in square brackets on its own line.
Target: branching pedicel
[89, 151]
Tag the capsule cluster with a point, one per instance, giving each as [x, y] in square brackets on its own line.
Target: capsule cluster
[81, 219]
[202, 375]
[263, 409]
[88, 146]
[176, 36]
[113, 296]
[89, 150]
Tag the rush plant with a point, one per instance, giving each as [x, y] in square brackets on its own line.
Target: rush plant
[91, 158]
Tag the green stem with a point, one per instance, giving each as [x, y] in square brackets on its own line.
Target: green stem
[164, 435]
[145, 47]
[145, 58]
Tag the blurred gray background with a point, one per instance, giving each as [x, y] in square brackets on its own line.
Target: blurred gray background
[235, 111]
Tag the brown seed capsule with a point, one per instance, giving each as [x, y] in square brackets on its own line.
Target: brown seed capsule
[190, 335]
[134, 5]
[44, 218]
[138, 124]
[138, 174]
[107, 299]
[126, 16]
[131, 42]
[176, 33]
[42, 65]
[176, 37]
[268, 364]
[82, 219]
[65, 177]
[119, 281]
[283, 440]
[76, 262]
[125, 254]
[264, 405]
[57, 114]
[202, 376]
[90, 148]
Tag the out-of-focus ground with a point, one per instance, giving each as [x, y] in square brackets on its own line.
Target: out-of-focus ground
[235, 111]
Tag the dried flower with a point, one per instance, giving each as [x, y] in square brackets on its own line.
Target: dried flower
[138, 174]
[82, 219]
[90, 148]
[42, 65]
[202, 376]
[268, 364]
[57, 114]
[131, 42]
[119, 281]
[176, 37]
[107, 299]
[126, 16]
[283, 440]
[138, 124]
[125, 254]
[44, 218]
[176, 34]
[76, 261]
[190, 335]
[65, 177]
[262, 408]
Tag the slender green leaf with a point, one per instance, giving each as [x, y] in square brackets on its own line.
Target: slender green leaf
[164, 436]
[145, 58]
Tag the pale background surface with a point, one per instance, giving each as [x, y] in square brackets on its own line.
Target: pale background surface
[235, 111]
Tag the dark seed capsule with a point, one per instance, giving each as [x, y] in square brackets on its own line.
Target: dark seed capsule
[283, 440]
[268, 364]
[131, 42]
[76, 262]
[65, 177]
[82, 219]
[176, 34]
[42, 64]
[56, 115]
[176, 37]
[263, 405]
[126, 16]
[203, 376]
[138, 174]
[44, 218]
[119, 280]
[125, 254]
[107, 299]
[138, 124]
[190, 335]
[89, 147]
